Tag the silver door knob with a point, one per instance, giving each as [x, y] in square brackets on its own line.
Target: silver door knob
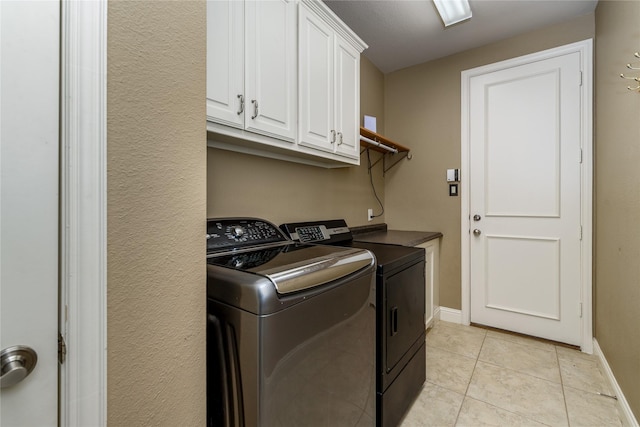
[477, 217]
[16, 363]
[477, 232]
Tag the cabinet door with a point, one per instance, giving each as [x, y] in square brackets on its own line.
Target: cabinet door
[316, 100]
[225, 62]
[271, 64]
[432, 281]
[347, 98]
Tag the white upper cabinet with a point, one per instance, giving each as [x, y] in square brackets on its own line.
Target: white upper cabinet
[225, 62]
[270, 72]
[347, 98]
[251, 66]
[316, 114]
[283, 80]
[329, 90]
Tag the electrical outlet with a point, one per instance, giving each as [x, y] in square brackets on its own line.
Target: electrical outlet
[369, 214]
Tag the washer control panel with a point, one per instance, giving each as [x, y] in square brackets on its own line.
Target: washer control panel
[234, 233]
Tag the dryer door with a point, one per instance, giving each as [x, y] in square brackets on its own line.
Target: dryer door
[404, 314]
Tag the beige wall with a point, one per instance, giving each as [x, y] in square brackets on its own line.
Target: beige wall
[617, 207]
[371, 93]
[279, 191]
[422, 111]
[156, 213]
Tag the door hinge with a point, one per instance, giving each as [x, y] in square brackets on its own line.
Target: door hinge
[579, 309]
[581, 155]
[580, 232]
[580, 82]
[62, 349]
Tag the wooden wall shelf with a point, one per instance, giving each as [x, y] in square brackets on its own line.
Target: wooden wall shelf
[381, 139]
[393, 158]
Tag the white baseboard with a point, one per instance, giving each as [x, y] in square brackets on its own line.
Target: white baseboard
[449, 314]
[622, 401]
[436, 314]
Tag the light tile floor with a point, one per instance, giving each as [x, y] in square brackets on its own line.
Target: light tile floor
[479, 377]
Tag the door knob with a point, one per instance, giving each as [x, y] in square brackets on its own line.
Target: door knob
[477, 217]
[16, 363]
[477, 232]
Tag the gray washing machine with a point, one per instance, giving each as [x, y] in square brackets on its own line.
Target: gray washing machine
[290, 329]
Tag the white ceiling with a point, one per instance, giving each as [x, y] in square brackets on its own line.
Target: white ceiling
[402, 33]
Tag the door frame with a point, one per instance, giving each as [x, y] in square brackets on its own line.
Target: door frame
[585, 49]
[83, 213]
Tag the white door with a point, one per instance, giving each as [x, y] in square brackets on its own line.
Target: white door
[525, 198]
[29, 150]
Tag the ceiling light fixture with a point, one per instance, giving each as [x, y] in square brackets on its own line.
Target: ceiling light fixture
[453, 11]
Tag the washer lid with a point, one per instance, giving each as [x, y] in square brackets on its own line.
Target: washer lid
[295, 267]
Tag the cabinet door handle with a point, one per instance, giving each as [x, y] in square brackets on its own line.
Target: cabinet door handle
[340, 138]
[255, 108]
[333, 136]
[241, 110]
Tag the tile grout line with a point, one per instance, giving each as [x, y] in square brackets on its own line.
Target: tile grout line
[464, 397]
[519, 373]
[564, 396]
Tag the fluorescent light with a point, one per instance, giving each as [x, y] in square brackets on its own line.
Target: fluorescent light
[453, 11]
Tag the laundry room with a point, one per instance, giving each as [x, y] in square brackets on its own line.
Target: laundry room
[421, 108]
[408, 220]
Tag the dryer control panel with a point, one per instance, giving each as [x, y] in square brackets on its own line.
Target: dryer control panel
[325, 232]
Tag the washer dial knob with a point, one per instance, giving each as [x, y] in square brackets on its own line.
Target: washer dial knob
[237, 231]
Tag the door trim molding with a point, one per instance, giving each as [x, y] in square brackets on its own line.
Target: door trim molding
[83, 202]
[585, 49]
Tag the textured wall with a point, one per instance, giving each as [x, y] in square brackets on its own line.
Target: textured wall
[280, 191]
[617, 240]
[156, 213]
[422, 111]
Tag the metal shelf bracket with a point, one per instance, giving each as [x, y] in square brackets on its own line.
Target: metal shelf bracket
[390, 160]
